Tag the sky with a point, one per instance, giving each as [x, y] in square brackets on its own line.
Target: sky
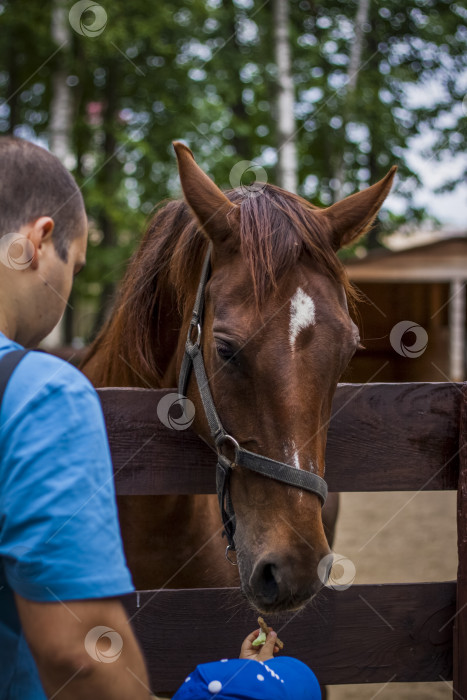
[451, 207]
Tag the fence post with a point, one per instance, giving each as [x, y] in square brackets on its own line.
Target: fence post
[460, 624]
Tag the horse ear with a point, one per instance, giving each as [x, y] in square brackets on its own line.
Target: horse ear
[217, 215]
[352, 217]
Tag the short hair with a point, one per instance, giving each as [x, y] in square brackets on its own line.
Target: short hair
[34, 183]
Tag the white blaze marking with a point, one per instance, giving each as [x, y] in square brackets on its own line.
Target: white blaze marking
[296, 464]
[296, 461]
[302, 314]
[290, 448]
[292, 454]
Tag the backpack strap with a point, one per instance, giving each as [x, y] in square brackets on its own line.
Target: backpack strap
[8, 365]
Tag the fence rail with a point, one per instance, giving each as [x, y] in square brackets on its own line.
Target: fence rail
[382, 437]
[340, 637]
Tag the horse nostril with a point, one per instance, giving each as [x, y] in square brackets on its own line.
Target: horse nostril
[266, 583]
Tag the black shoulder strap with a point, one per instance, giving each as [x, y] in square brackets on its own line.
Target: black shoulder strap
[7, 366]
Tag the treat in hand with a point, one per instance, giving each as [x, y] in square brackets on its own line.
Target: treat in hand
[260, 640]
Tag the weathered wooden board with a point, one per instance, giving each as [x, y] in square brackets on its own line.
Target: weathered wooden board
[382, 437]
[366, 634]
[460, 627]
[394, 437]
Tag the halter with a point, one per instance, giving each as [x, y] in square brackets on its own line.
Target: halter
[193, 358]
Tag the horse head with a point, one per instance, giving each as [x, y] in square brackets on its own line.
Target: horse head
[276, 337]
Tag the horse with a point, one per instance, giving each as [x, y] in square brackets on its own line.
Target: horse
[276, 337]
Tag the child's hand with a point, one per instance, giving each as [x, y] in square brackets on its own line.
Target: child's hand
[262, 653]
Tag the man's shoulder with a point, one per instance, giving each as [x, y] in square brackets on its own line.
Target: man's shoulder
[40, 375]
[54, 372]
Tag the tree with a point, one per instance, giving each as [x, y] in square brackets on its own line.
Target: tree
[60, 129]
[353, 69]
[287, 153]
[205, 71]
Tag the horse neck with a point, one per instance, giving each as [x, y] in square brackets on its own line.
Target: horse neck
[114, 361]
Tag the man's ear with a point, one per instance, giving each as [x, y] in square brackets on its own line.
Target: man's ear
[37, 233]
[216, 213]
[352, 217]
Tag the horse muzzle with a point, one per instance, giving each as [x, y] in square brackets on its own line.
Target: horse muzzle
[278, 582]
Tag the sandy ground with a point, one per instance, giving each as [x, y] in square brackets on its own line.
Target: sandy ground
[406, 537]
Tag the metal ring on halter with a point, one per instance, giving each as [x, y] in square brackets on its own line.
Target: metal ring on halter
[227, 438]
[228, 549]
[198, 337]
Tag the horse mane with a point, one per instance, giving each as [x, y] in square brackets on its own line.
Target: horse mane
[276, 229]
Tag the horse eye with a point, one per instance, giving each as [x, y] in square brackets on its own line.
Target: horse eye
[225, 352]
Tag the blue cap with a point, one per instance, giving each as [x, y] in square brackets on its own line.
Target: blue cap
[282, 678]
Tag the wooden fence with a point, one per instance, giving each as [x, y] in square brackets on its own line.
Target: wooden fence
[382, 437]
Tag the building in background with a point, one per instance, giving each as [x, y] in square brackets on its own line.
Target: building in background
[424, 284]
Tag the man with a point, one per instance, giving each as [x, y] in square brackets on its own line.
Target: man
[63, 629]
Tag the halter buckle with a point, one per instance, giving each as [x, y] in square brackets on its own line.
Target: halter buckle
[197, 340]
[222, 439]
[229, 549]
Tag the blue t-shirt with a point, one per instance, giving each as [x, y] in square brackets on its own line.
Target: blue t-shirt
[59, 531]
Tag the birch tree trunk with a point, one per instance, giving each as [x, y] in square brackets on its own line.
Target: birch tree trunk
[355, 60]
[361, 19]
[287, 170]
[60, 121]
[13, 81]
[61, 105]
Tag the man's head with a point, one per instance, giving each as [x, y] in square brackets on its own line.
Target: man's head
[43, 237]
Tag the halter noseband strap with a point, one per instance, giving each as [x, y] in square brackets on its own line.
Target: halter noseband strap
[279, 471]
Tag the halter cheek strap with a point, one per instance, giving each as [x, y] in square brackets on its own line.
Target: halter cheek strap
[279, 471]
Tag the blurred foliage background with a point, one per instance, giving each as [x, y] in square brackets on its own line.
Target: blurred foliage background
[111, 92]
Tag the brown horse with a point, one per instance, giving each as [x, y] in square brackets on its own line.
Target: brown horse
[277, 336]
